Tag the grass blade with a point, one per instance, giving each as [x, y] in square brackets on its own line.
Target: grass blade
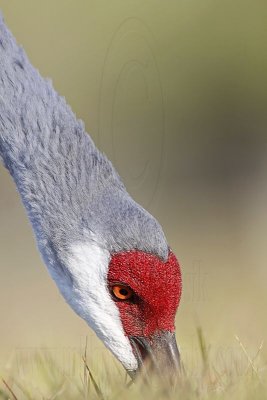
[97, 388]
[9, 389]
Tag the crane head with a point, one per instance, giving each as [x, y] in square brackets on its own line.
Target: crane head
[147, 291]
[129, 298]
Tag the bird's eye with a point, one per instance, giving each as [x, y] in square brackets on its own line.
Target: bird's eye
[122, 292]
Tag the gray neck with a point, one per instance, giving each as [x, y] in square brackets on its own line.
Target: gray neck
[70, 189]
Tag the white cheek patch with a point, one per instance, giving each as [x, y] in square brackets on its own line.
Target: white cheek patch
[89, 297]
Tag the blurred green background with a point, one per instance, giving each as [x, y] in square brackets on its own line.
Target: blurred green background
[175, 93]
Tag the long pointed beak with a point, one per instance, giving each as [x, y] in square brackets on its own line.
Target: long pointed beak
[158, 353]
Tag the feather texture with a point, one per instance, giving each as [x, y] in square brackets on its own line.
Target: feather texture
[66, 184]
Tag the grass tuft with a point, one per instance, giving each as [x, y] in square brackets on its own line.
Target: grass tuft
[93, 374]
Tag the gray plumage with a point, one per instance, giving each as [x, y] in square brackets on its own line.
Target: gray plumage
[68, 187]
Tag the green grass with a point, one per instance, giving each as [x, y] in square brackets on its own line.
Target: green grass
[96, 375]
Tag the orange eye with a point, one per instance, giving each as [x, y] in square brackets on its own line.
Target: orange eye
[122, 292]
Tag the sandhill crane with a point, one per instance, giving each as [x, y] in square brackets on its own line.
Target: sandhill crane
[107, 255]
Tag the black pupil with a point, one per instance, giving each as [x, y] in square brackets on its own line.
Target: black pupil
[124, 292]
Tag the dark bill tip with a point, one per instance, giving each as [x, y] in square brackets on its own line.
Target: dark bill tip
[158, 354]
